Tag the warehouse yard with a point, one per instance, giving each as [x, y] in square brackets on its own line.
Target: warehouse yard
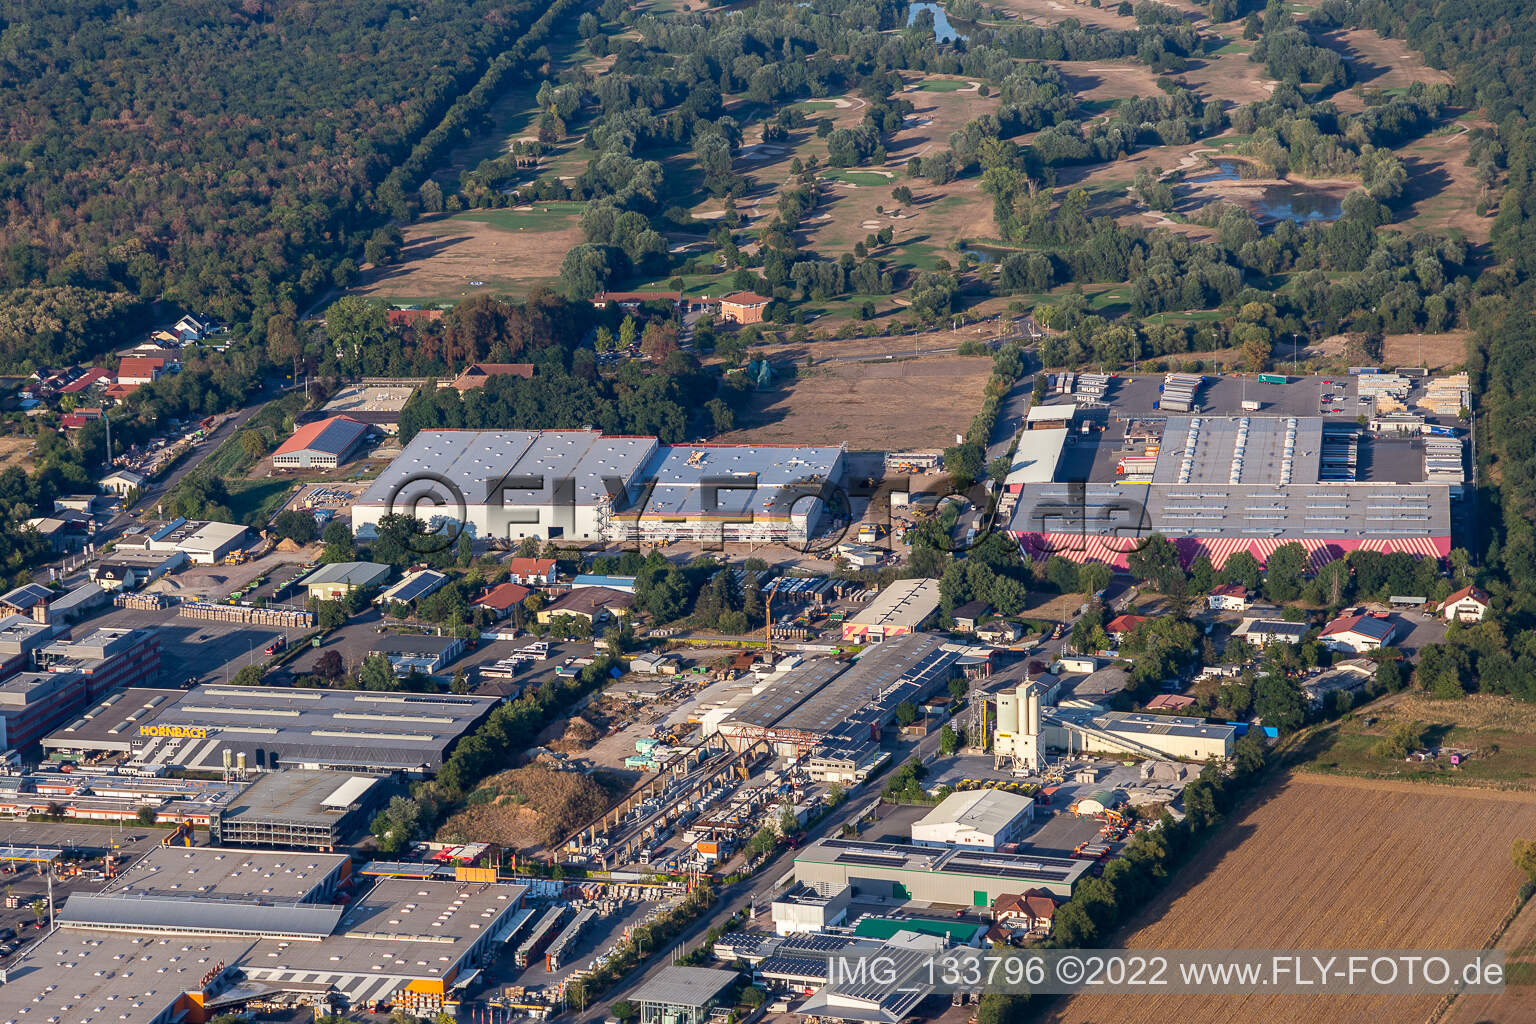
[1319, 862]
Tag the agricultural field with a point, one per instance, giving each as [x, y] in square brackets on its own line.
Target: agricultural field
[903, 403]
[1517, 1002]
[1499, 731]
[1321, 862]
[507, 251]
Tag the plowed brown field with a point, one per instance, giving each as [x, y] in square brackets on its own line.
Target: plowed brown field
[1321, 862]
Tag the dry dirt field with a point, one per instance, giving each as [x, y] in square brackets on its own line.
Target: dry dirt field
[16, 451]
[1231, 76]
[1107, 79]
[1319, 862]
[1517, 1003]
[1053, 12]
[1377, 63]
[1440, 350]
[507, 251]
[1442, 189]
[907, 404]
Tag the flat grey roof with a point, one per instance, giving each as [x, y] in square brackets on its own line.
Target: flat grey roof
[1162, 725]
[735, 480]
[352, 574]
[293, 797]
[684, 986]
[341, 728]
[207, 872]
[783, 695]
[1025, 867]
[477, 461]
[903, 603]
[883, 675]
[199, 914]
[113, 723]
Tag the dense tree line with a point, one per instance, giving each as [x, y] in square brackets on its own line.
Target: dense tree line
[223, 158]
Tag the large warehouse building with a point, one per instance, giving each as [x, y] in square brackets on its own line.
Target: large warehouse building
[954, 876]
[580, 484]
[828, 702]
[983, 819]
[187, 934]
[269, 728]
[1217, 485]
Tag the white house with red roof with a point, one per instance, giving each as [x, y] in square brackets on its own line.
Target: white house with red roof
[1229, 597]
[1469, 604]
[1358, 633]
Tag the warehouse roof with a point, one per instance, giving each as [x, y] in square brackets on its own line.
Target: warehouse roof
[206, 872]
[789, 691]
[883, 676]
[415, 585]
[981, 810]
[1035, 458]
[906, 603]
[113, 723]
[1162, 725]
[25, 596]
[684, 986]
[589, 601]
[334, 728]
[736, 480]
[333, 436]
[300, 797]
[1051, 413]
[1025, 868]
[351, 574]
[520, 467]
[196, 913]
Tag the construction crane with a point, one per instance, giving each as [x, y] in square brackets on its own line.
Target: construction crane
[768, 615]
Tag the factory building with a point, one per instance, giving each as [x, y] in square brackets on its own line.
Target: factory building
[828, 702]
[903, 607]
[324, 444]
[1027, 727]
[307, 810]
[267, 728]
[681, 995]
[580, 484]
[20, 637]
[953, 876]
[208, 931]
[982, 819]
[106, 659]
[1217, 485]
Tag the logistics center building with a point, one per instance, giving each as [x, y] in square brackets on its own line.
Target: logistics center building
[1217, 485]
[582, 484]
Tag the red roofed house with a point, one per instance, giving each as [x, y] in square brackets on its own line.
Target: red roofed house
[533, 572]
[95, 375]
[1229, 597]
[136, 370]
[1031, 913]
[323, 443]
[79, 418]
[1357, 634]
[1469, 604]
[1119, 626]
[632, 301]
[476, 374]
[744, 307]
[1170, 702]
[412, 317]
[500, 600]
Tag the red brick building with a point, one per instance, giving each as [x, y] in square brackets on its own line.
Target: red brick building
[744, 307]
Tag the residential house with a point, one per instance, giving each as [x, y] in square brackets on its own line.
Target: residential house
[194, 328]
[1000, 631]
[1030, 913]
[1358, 633]
[123, 576]
[79, 418]
[1229, 597]
[1122, 626]
[1469, 604]
[595, 604]
[744, 307]
[631, 302]
[969, 615]
[476, 374]
[501, 600]
[96, 376]
[1263, 632]
[134, 371]
[532, 572]
[1170, 702]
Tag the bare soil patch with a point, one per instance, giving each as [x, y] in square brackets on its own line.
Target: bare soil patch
[1377, 63]
[1331, 863]
[16, 451]
[1440, 351]
[1107, 79]
[1229, 77]
[1054, 12]
[884, 405]
[444, 256]
[1442, 189]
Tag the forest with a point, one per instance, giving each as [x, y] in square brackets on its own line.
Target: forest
[219, 156]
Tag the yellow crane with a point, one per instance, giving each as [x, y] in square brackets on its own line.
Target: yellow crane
[768, 615]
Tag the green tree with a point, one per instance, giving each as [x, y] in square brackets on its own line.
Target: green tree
[949, 741]
[906, 713]
[1523, 852]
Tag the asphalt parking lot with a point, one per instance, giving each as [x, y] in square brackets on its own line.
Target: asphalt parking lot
[208, 652]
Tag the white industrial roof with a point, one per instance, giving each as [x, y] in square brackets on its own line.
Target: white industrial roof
[349, 792]
[1034, 462]
[988, 811]
[903, 603]
[1051, 413]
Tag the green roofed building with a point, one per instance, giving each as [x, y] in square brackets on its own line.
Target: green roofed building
[960, 933]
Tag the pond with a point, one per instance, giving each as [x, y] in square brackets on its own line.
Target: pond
[1299, 204]
[987, 253]
[943, 31]
[1225, 170]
